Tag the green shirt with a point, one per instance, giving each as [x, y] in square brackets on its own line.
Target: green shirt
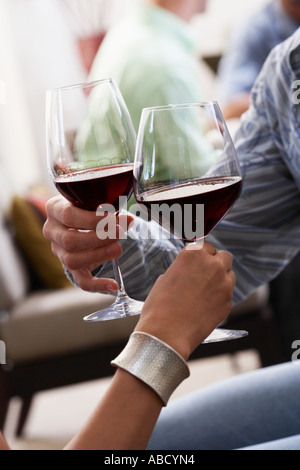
[150, 55]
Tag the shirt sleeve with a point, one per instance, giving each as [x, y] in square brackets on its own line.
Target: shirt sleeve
[263, 228]
[148, 251]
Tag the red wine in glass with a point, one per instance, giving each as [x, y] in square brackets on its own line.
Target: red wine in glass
[90, 150]
[187, 175]
[103, 185]
[216, 194]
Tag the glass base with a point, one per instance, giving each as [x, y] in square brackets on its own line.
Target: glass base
[122, 307]
[220, 334]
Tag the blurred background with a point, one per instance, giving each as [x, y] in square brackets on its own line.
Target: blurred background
[50, 43]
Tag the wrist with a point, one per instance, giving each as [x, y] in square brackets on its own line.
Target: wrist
[165, 334]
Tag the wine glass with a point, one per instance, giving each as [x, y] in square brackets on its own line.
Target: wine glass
[90, 148]
[187, 175]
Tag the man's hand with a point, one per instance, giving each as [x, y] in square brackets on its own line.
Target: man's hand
[73, 237]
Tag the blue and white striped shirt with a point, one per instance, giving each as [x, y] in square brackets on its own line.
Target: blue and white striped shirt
[262, 231]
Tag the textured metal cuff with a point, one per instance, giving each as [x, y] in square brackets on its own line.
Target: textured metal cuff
[154, 362]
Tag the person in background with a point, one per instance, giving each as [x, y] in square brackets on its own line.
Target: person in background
[127, 414]
[151, 54]
[249, 46]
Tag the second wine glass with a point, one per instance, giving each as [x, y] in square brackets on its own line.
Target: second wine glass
[90, 146]
[187, 175]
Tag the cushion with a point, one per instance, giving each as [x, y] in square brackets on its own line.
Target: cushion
[28, 222]
[38, 198]
[50, 324]
[13, 278]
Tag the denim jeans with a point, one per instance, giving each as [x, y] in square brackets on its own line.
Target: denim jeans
[256, 410]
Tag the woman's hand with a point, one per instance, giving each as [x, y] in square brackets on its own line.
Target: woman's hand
[190, 300]
[73, 236]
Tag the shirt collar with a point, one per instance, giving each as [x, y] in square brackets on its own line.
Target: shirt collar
[168, 22]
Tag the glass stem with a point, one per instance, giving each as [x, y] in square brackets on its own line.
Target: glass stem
[119, 278]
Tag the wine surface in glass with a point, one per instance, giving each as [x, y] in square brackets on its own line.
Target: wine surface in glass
[88, 189]
[216, 194]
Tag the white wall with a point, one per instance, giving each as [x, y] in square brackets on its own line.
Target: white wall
[17, 142]
[37, 52]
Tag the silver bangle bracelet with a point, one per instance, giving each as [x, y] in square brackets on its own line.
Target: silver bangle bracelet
[153, 362]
